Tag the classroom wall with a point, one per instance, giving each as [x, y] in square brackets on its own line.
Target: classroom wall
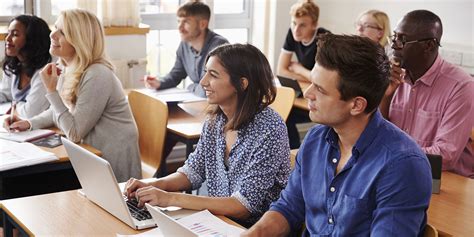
[339, 17]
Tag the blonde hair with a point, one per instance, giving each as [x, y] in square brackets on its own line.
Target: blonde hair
[382, 21]
[85, 33]
[305, 8]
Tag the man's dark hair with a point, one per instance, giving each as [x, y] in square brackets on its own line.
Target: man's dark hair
[361, 64]
[245, 60]
[427, 23]
[194, 8]
[36, 48]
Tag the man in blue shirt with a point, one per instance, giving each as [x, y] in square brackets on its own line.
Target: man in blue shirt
[197, 41]
[356, 174]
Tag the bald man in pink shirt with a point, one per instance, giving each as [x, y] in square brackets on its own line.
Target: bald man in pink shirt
[429, 98]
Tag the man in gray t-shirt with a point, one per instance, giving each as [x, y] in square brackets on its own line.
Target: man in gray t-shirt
[196, 42]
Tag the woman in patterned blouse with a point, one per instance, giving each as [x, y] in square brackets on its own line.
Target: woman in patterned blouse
[243, 152]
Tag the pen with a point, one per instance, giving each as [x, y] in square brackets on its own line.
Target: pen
[12, 113]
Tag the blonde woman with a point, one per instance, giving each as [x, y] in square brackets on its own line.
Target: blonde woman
[87, 100]
[375, 25]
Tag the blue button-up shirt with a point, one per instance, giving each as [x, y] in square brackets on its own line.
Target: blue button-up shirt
[383, 190]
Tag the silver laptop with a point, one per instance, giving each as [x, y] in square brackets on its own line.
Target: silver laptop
[168, 225]
[100, 186]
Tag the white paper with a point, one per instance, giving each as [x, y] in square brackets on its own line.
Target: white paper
[172, 95]
[14, 155]
[205, 223]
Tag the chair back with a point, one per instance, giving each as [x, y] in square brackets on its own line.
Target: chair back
[151, 116]
[283, 103]
[430, 231]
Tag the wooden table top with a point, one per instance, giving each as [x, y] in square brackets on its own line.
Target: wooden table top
[66, 214]
[61, 153]
[187, 119]
[451, 211]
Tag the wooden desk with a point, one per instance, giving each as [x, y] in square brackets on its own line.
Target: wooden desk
[63, 214]
[185, 122]
[41, 178]
[451, 211]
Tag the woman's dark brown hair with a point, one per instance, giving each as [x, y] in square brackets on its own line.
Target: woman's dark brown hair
[245, 60]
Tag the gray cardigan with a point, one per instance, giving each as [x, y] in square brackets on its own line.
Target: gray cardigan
[101, 118]
[36, 101]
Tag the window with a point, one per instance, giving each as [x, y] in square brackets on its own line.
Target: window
[229, 7]
[231, 19]
[59, 5]
[158, 6]
[12, 8]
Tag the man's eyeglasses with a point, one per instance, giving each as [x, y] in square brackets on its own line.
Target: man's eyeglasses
[365, 26]
[399, 41]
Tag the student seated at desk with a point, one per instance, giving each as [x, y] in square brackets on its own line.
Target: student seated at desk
[356, 174]
[243, 152]
[429, 98]
[26, 52]
[197, 40]
[301, 40]
[87, 99]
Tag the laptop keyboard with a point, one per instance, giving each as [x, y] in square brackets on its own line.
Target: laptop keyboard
[140, 214]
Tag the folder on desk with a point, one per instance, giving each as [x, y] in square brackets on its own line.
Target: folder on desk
[15, 155]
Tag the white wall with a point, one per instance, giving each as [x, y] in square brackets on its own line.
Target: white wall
[339, 16]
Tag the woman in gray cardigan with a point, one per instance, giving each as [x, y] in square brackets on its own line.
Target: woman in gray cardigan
[87, 100]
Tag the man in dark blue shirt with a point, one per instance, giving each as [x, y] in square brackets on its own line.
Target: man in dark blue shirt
[356, 174]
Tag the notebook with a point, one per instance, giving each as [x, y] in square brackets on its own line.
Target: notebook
[100, 186]
[288, 82]
[26, 136]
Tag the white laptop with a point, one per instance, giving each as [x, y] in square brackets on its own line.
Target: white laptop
[100, 186]
[168, 225]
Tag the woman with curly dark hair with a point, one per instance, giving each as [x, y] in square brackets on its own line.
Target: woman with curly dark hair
[26, 52]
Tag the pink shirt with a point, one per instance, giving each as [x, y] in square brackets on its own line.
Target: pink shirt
[438, 113]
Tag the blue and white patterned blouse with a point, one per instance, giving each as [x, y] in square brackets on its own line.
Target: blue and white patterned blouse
[258, 163]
